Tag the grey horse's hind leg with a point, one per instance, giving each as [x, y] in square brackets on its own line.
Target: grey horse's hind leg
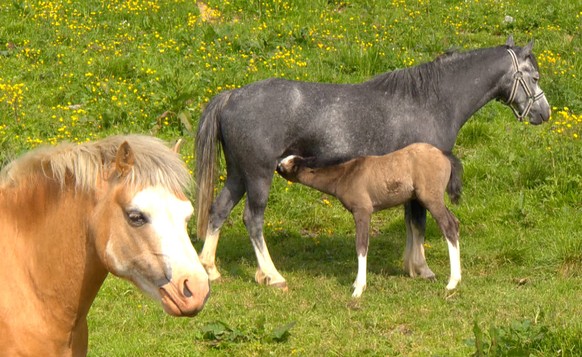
[228, 197]
[414, 259]
[253, 217]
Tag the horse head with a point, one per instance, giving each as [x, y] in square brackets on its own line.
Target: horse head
[141, 235]
[522, 91]
[289, 167]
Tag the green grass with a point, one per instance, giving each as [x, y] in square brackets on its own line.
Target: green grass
[76, 71]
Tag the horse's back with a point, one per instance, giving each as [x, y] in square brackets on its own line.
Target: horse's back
[286, 103]
[426, 158]
[413, 164]
[274, 118]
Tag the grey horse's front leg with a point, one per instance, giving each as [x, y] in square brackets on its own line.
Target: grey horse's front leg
[253, 217]
[414, 259]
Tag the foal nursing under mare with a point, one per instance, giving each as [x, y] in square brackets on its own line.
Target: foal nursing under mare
[72, 213]
[260, 123]
[372, 183]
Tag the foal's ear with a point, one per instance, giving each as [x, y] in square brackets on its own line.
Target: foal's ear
[177, 146]
[124, 159]
[510, 43]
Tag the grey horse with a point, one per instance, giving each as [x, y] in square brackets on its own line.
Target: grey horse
[260, 123]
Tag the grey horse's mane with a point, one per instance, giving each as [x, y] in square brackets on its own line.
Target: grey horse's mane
[84, 164]
[421, 80]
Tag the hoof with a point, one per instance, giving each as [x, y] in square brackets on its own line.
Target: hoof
[427, 274]
[429, 277]
[358, 291]
[452, 285]
[424, 273]
[263, 279]
[281, 286]
[421, 270]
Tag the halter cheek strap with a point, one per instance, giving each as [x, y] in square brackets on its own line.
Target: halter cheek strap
[517, 81]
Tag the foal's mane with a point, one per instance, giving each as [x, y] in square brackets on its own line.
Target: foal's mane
[84, 164]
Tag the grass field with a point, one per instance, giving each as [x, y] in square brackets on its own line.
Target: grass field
[81, 70]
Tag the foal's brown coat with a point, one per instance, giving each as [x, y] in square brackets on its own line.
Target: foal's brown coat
[368, 184]
[65, 221]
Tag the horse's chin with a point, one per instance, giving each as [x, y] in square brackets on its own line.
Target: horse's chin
[537, 119]
[173, 310]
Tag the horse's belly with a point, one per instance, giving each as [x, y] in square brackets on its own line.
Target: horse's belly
[391, 194]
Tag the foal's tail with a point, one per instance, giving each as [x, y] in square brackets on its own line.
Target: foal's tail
[455, 185]
[208, 141]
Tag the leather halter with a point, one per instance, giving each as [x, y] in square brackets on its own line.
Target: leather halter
[518, 80]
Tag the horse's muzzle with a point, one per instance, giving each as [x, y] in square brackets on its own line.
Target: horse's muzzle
[185, 297]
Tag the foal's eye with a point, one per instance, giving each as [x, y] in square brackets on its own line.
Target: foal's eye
[136, 218]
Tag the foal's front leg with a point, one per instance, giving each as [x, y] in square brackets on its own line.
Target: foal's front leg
[362, 220]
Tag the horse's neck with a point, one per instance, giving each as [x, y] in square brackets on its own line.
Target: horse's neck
[50, 261]
[67, 239]
[470, 81]
[323, 179]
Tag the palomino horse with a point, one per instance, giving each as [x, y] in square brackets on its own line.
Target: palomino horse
[369, 184]
[265, 121]
[72, 213]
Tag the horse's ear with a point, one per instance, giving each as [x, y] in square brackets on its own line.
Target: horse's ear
[124, 159]
[527, 50]
[510, 43]
[177, 146]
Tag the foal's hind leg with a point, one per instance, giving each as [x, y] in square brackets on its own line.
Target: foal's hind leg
[414, 259]
[229, 196]
[449, 225]
[451, 232]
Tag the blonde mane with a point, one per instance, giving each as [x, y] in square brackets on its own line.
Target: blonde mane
[84, 164]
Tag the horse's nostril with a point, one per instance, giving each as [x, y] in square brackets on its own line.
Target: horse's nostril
[187, 293]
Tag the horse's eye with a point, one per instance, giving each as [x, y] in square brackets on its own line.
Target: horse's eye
[136, 218]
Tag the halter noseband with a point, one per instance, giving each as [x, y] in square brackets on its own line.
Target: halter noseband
[518, 80]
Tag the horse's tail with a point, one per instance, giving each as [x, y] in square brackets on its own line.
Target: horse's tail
[208, 140]
[455, 185]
